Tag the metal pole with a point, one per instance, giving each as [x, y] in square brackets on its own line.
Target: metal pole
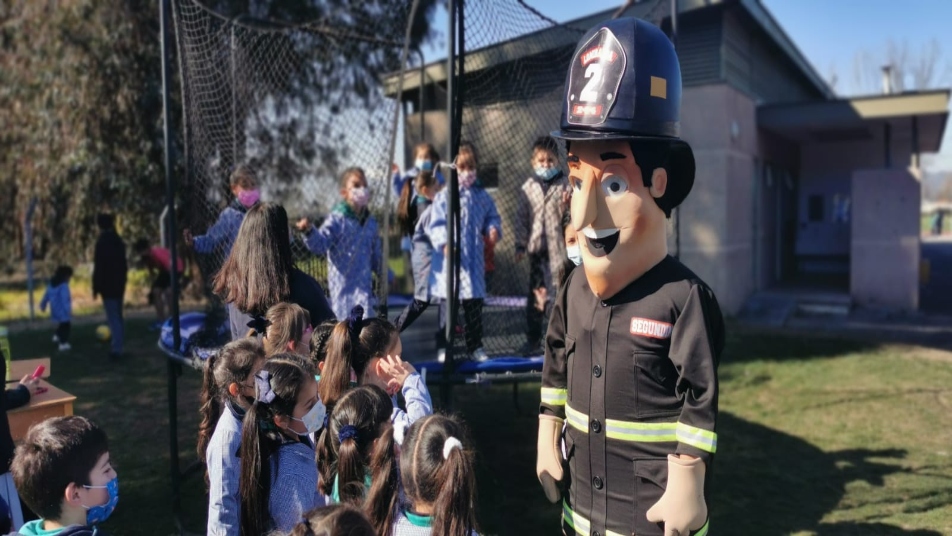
[29, 254]
[677, 210]
[452, 208]
[887, 141]
[165, 13]
[422, 110]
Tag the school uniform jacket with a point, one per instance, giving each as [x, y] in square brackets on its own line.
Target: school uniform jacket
[223, 232]
[538, 227]
[635, 377]
[478, 215]
[353, 252]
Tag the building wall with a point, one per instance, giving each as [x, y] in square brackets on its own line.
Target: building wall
[716, 235]
[884, 254]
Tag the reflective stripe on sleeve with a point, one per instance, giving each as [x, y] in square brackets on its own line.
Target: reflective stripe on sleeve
[553, 396]
[697, 437]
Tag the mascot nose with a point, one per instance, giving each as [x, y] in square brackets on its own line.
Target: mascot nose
[584, 202]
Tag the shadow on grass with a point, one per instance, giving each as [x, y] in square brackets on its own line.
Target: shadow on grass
[768, 483]
[751, 344]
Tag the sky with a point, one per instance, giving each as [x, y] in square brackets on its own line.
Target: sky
[831, 33]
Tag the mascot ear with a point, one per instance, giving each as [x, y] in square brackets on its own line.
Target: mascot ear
[659, 183]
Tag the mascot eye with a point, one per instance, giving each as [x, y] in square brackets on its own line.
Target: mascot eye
[614, 185]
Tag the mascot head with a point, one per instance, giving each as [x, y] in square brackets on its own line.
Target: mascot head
[627, 167]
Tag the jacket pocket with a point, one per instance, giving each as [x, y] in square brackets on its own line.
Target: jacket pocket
[651, 478]
[655, 384]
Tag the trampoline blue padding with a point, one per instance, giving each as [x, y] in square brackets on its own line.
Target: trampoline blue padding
[190, 326]
[497, 365]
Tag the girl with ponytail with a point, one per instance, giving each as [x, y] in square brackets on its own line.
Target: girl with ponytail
[227, 393]
[439, 481]
[368, 351]
[278, 477]
[334, 520]
[286, 327]
[356, 454]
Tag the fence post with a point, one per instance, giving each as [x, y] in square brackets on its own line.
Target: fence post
[28, 224]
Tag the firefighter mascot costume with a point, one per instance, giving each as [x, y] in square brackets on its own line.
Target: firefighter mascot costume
[629, 388]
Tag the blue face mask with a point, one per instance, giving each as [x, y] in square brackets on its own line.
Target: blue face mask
[97, 514]
[547, 173]
[423, 165]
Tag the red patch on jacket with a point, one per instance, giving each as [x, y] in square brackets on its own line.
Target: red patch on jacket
[650, 328]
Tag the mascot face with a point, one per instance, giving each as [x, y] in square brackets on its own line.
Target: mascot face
[621, 230]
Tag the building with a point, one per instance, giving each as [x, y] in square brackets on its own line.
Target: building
[795, 188]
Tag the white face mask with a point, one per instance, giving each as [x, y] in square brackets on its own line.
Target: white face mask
[313, 419]
[574, 254]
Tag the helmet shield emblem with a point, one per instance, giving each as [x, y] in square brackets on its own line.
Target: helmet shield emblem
[596, 73]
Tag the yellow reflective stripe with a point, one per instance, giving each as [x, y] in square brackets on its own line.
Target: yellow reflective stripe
[697, 437]
[583, 526]
[703, 530]
[648, 432]
[555, 397]
[576, 419]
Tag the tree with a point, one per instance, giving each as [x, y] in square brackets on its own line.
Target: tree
[908, 70]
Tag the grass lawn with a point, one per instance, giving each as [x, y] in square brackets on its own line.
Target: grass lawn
[818, 436]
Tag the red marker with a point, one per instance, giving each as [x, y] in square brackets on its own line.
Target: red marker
[38, 372]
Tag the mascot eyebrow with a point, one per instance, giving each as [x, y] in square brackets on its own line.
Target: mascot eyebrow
[613, 156]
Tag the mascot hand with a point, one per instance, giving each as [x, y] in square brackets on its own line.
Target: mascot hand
[682, 508]
[549, 460]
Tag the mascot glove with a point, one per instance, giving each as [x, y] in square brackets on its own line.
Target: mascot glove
[549, 460]
[681, 508]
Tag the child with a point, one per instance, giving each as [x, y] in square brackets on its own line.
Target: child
[539, 233]
[286, 327]
[413, 217]
[63, 474]
[479, 221]
[356, 453]
[227, 393]
[437, 470]
[349, 239]
[572, 252]
[319, 339]
[158, 261]
[369, 350]
[278, 478]
[334, 520]
[425, 159]
[61, 306]
[223, 233]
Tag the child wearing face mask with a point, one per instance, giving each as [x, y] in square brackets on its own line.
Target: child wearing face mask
[278, 477]
[479, 223]
[539, 234]
[413, 216]
[572, 252]
[349, 239]
[425, 159]
[286, 327]
[227, 393]
[244, 187]
[63, 473]
[369, 349]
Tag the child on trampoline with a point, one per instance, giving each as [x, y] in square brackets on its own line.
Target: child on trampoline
[158, 261]
[348, 237]
[413, 216]
[227, 393]
[369, 349]
[425, 160]
[278, 477]
[286, 327]
[479, 222]
[244, 187]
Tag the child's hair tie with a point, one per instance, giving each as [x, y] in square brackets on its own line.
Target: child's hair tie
[347, 432]
[259, 324]
[354, 322]
[263, 387]
[450, 444]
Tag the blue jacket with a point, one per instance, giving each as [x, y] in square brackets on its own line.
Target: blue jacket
[224, 472]
[61, 305]
[421, 254]
[224, 231]
[353, 252]
[293, 485]
[477, 216]
[399, 180]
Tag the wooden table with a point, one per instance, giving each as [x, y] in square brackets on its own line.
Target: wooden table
[55, 402]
